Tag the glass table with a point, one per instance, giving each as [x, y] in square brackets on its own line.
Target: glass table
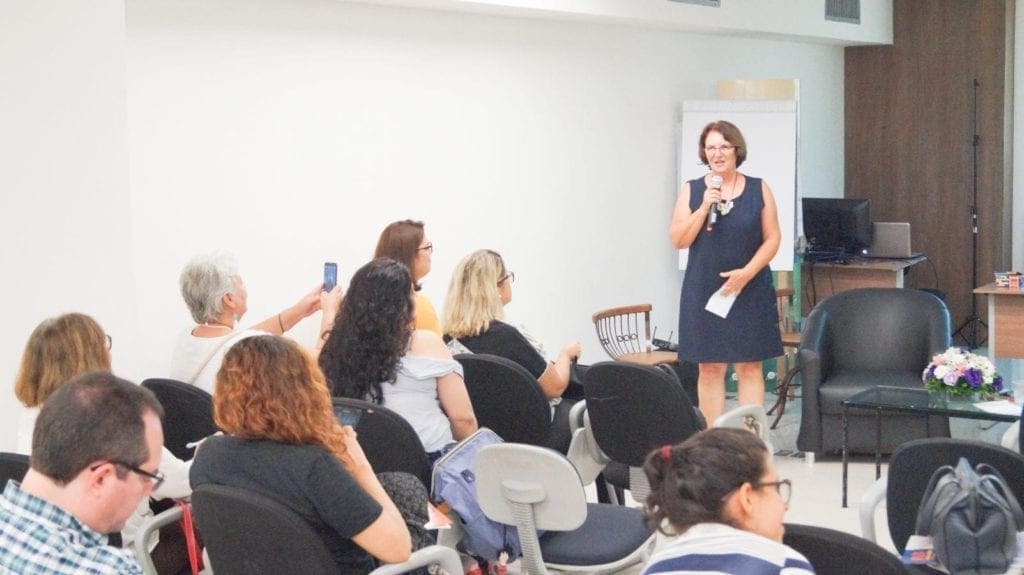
[908, 400]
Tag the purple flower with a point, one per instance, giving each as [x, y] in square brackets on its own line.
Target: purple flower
[973, 377]
[997, 383]
[951, 378]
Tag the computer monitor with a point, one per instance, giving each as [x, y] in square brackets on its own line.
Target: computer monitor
[838, 226]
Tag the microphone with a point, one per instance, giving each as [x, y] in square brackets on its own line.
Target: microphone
[716, 183]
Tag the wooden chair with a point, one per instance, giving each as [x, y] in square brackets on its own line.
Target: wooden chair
[625, 335]
[790, 343]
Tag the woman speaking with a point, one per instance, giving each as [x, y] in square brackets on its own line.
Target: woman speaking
[730, 224]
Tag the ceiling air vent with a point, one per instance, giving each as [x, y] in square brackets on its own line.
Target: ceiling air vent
[712, 3]
[847, 11]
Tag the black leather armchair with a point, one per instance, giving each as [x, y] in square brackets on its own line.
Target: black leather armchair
[859, 339]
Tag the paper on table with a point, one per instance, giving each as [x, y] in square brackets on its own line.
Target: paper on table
[1002, 407]
[719, 304]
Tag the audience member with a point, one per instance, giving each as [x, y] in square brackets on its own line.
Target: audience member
[69, 345]
[405, 241]
[284, 442]
[719, 494]
[217, 299]
[474, 314]
[95, 455]
[373, 353]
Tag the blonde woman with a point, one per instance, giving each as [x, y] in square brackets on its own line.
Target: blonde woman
[69, 345]
[474, 314]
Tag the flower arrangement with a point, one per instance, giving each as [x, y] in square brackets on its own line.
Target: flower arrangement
[961, 373]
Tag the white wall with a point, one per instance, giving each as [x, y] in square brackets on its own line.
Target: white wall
[292, 131]
[65, 222]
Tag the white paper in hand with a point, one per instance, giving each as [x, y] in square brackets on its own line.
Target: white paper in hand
[719, 304]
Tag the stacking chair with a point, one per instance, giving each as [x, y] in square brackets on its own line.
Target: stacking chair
[507, 399]
[911, 467]
[12, 466]
[839, 553]
[535, 488]
[625, 334]
[188, 414]
[633, 409]
[246, 532]
[389, 442]
[859, 339]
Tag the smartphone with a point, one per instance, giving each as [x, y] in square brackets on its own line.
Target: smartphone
[348, 415]
[330, 276]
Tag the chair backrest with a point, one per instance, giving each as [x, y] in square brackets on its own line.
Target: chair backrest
[912, 465]
[878, 329]
[839, 553]
[245, 532]
[188, 414]
[636, 408]
[511, 472]
[12, 466]
[507, 399]
[388, 440]
[625, 329]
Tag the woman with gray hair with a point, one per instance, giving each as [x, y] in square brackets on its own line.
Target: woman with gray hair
[217, 299]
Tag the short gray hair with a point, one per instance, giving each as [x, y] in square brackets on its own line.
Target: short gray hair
[204, 281]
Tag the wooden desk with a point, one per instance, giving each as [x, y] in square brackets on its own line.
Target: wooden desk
[830, 278]
[1005, 321]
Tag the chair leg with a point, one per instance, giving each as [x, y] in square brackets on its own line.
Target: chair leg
[783, 391]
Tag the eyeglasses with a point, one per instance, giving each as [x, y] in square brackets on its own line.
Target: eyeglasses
[157, 479]
[109, 342]
[428, 247]
[783, 486]
[510, 276]
[723, 149]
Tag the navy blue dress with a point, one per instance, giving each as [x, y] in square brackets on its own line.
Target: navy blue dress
[751, 330]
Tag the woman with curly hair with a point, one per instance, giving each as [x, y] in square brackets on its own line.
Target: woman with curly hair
[284, 442]
[405, 241]
[718, 494]
[373, 353]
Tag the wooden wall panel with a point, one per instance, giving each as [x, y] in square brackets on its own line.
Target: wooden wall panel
[909, 136]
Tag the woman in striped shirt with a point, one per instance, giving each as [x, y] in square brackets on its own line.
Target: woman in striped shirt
[718, 494]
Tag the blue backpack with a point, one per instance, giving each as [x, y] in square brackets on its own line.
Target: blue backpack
[455, 484]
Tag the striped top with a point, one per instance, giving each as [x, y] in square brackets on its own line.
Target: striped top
[715, 548]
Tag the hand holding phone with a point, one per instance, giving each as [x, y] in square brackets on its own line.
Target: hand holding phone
[330, 276]
[348, 415]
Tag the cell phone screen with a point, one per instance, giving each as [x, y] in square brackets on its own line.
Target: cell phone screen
[348, 415]
[330, 275]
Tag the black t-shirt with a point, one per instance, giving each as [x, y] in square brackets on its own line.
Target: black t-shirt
[503, 340]
[305, 478]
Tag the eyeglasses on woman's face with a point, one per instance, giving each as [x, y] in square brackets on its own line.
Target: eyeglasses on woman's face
[784, 487]
[510, 276]
[429, 248]
[723, 149]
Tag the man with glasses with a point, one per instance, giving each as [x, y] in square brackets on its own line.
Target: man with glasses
[95, 455]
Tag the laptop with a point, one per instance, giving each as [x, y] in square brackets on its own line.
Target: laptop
[891, 240]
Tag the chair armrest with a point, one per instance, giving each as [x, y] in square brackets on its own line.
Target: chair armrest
[868, 503]
[585, 455]
[446, 557]
[150, 526]
[576, 416]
